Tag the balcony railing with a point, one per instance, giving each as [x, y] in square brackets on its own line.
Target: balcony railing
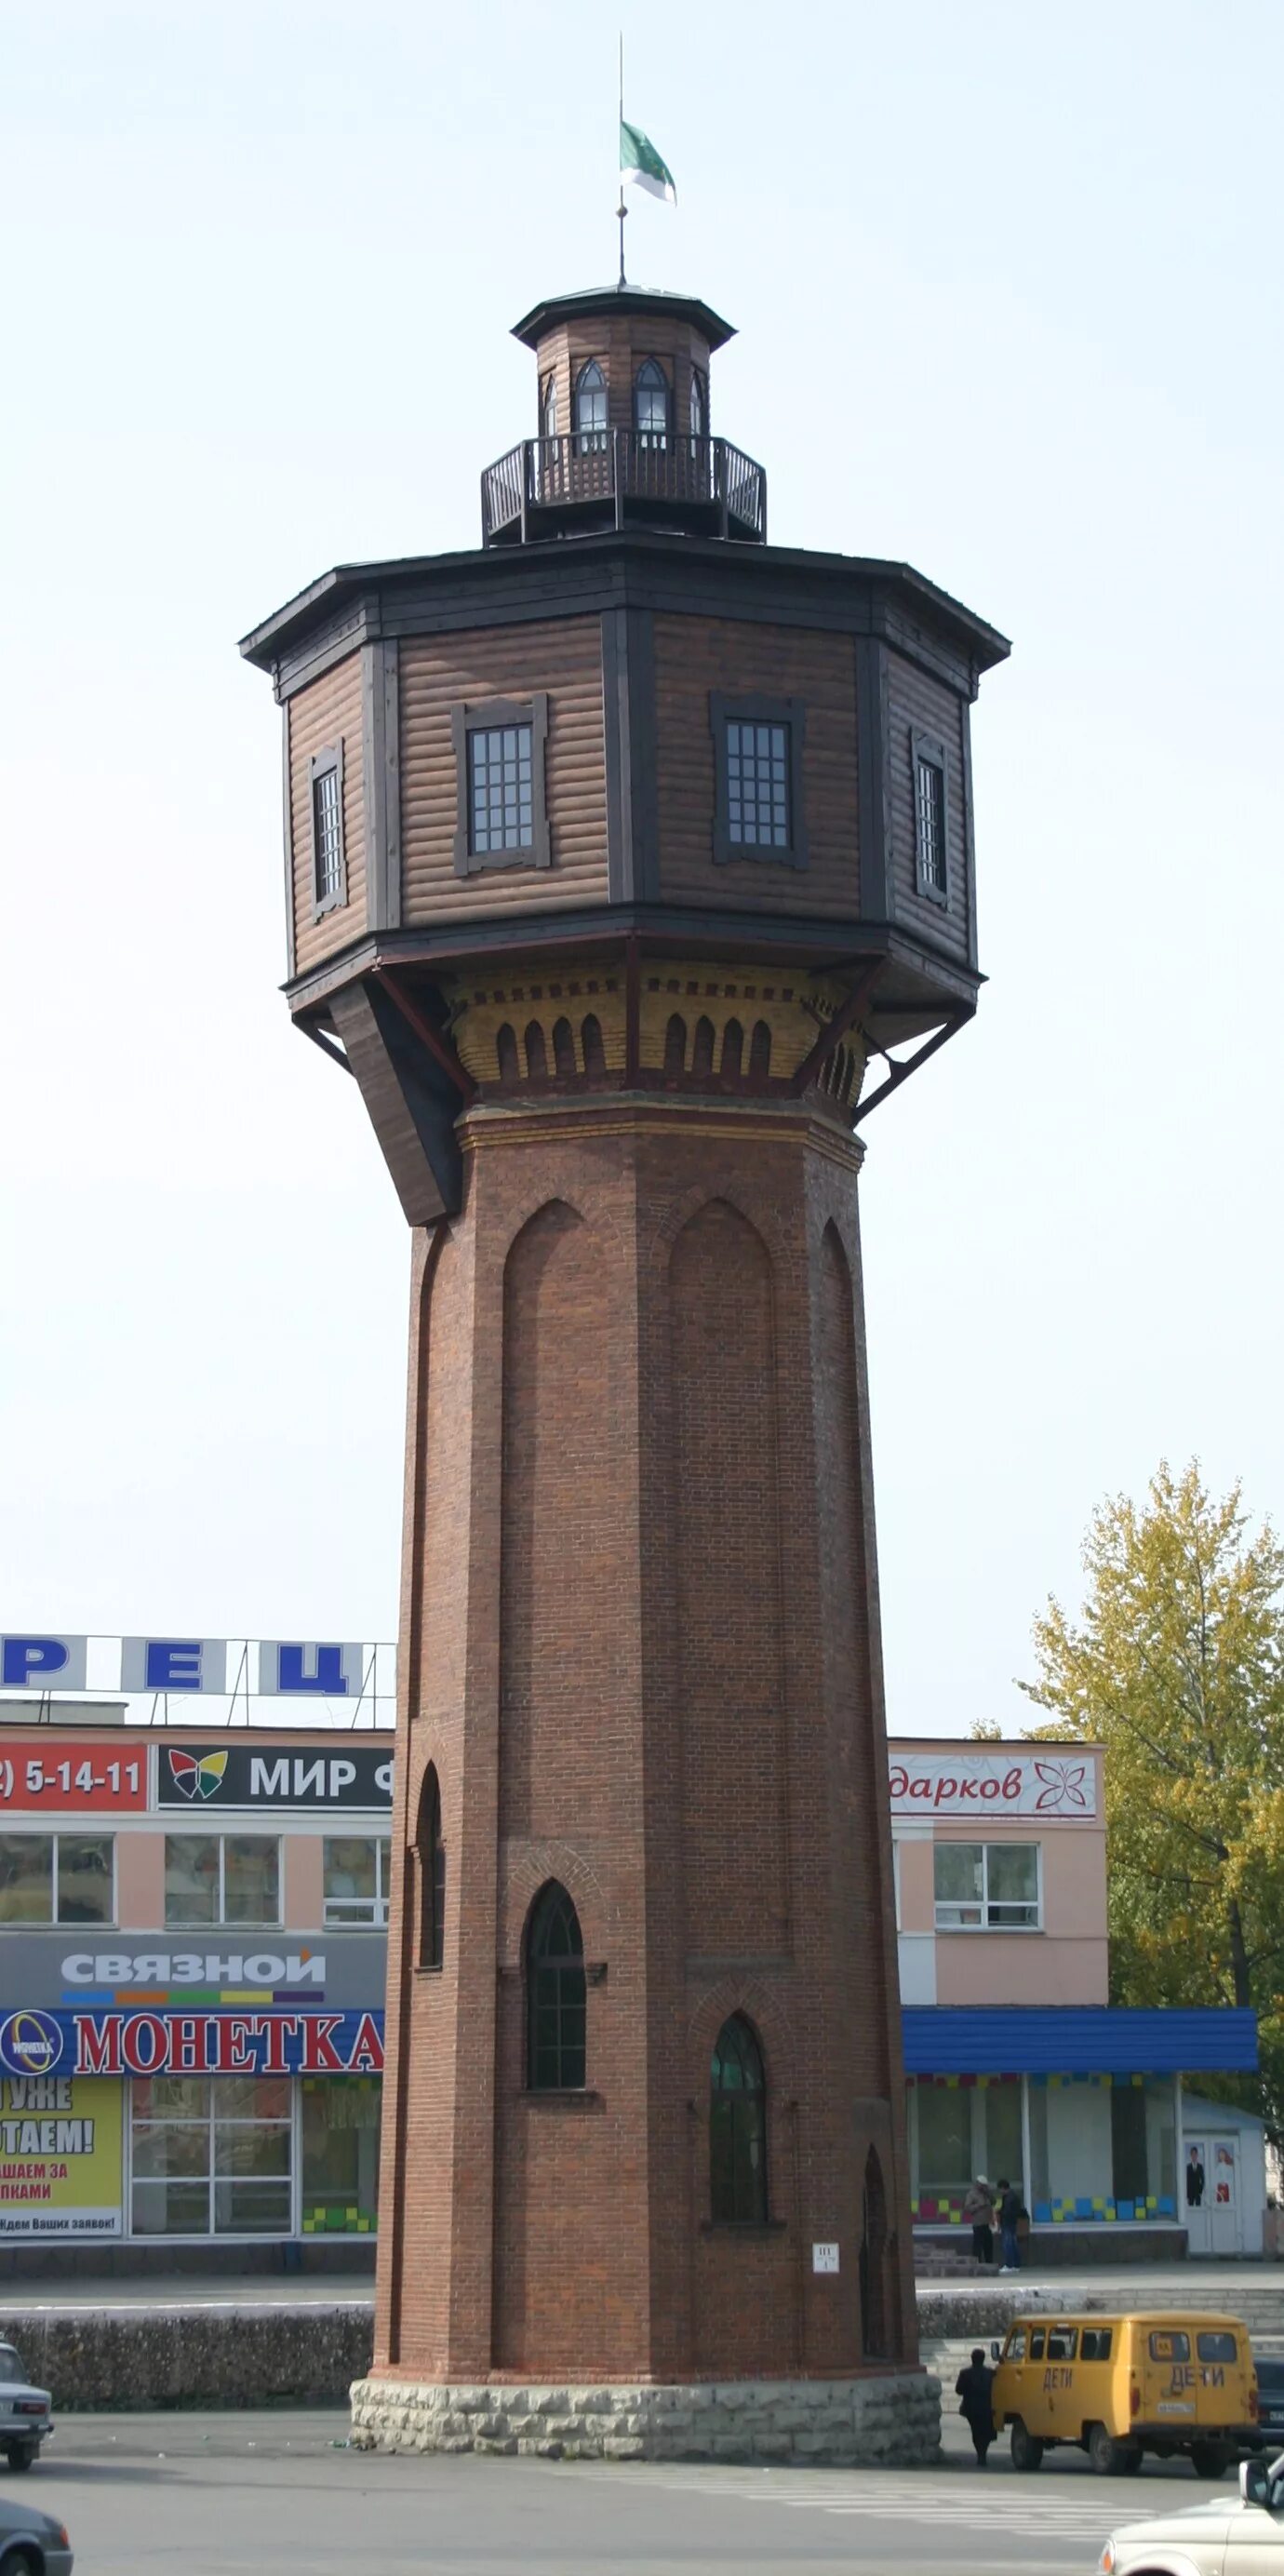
[605, 477]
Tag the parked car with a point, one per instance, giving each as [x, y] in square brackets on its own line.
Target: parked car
[1118, 2387]
[26, 2417]
[32, 2544]
[1239, 2535]
[1270, 2403]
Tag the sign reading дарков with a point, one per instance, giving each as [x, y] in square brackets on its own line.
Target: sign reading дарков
[1061, 1783]
[262, 1776]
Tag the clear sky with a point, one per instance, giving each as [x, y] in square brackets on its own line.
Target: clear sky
[1007, 286]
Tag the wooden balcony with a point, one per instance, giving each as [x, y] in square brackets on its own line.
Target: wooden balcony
[608, 478]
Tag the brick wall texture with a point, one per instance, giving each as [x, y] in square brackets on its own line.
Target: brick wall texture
[640, 1625]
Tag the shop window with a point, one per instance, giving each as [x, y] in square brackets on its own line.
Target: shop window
[222, 1878]
[957, 2131]
[355, 1870]
[57, 1878]
[737, 2128]
[211, 2156]
[339, 2173]
[987, 1887]
[556, 1997]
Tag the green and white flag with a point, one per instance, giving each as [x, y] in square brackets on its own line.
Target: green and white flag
[641, 166]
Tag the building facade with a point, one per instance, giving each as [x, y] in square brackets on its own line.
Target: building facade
[193, 1959]
[192, 1963]
[1016, 2065]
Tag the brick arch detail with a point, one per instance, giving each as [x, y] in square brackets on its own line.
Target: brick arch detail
[520, 1883]
[678, 1215]
[590, 1206]
[757, 2003]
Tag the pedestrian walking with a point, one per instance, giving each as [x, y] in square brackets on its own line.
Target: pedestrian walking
[1009, 2216]
[978, 2214]
[973, 2390]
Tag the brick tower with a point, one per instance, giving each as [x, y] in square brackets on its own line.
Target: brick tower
[614, 850]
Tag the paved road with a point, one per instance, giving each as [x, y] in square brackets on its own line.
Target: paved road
[227, 2495]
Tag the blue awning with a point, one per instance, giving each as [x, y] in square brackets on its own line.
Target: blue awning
[1077, 2039]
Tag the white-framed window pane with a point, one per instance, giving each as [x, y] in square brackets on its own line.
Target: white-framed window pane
[171, 2209]
[171, 2148]
[26, 1878]
[326, 836]
[500, 788]
[931, 823]
[259, 2147]
[191, 1878]
[171, 2097]
[1012, 1886]
[757, 758]
[85, 1878]
[959, 1875]
[351, 1878]
[251, 2208]
[251, 1879]
[944, 2139]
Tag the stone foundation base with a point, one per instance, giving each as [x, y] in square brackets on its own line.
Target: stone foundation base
[894, 2422]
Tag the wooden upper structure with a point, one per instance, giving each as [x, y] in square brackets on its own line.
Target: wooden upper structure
[627, 646]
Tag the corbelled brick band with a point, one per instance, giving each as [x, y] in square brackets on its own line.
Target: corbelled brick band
[892, 2421]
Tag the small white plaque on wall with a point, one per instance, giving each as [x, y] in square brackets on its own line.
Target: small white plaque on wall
[824, 2258]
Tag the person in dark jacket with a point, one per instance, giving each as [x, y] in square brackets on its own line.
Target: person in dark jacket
[972, 2389]
[1009, 2216]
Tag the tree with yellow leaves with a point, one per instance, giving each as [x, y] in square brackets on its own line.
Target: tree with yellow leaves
[1176, 1665]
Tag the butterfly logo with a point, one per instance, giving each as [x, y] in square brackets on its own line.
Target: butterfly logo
[1063, 1786]
[198, 1775]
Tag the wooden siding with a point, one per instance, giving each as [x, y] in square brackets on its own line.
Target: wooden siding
[439, 673]
[918, 703]
[329, 711]
[696, 657]
[620, 343]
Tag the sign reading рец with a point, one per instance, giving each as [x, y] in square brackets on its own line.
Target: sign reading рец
[339, 1777]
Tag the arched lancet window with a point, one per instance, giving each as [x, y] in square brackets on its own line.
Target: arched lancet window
[564, 1048]
[548, 407]
[873, 2259]
[737, 2127]
[699, 404]
[760, 1051]
[591, 1041]
[733, 1046]
[590, 407]
[506, 1054]
[675, 1044]
[536, 1056]
[430, 1852]
[702, 1051]
[651, 403]
[555, 1995]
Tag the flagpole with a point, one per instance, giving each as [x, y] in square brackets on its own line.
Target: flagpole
[622, 208]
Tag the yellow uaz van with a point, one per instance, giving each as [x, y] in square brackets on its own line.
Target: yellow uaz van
[1118, 2387]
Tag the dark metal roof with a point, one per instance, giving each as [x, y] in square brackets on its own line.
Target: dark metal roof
[328, 594]
[1078, 2039]
[623, 299]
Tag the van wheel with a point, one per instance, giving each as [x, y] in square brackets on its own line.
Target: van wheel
[1209, 2459]
[1107, 2456]
[1027, 2449]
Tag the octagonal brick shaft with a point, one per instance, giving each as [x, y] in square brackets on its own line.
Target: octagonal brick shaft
[641, 1651]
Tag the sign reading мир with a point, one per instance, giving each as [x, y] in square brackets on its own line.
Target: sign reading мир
[979, 1785]
[334, 1777]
